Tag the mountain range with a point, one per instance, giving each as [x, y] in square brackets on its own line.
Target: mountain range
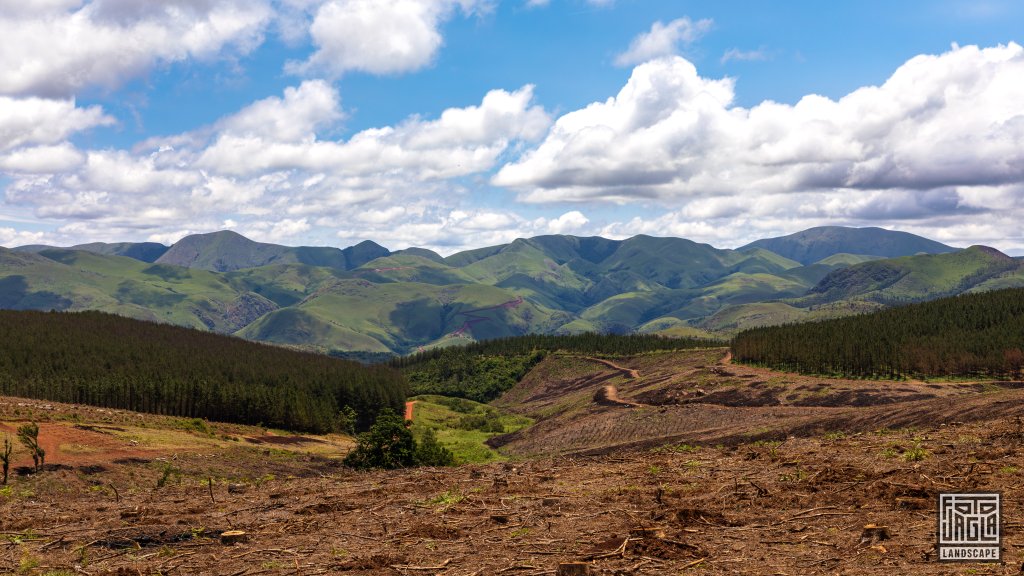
[368, 298]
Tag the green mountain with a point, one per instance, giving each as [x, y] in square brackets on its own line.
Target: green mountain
[226, 251]
[366, 298]
[819, 243]
[880, 283]
[142, 251]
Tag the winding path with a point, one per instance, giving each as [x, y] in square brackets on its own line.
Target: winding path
[628, 372]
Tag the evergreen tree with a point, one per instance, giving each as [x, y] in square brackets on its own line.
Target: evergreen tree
[971, 335]
[430, 452]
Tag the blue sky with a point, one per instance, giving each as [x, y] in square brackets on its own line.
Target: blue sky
[454, 124]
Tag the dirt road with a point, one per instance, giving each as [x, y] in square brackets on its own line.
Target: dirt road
[627, 372]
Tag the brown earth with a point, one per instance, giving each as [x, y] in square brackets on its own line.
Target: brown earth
[792, 507]
[698, 397]
[698, 466]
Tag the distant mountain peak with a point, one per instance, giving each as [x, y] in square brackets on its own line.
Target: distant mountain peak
[816, 244]
[226, 250]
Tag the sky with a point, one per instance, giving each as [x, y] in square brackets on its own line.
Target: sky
[456, 124]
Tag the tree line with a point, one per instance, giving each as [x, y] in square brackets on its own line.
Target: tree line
[109, 361]
[971, 335]
[483, 371]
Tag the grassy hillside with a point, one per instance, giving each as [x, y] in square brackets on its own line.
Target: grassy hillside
[73, 280]
[915, 278]
[464, 426]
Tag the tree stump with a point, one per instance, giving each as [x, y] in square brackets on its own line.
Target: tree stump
[573, 569]
[874, 533]
[231, 537]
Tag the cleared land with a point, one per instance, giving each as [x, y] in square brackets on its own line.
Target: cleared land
[760, 473]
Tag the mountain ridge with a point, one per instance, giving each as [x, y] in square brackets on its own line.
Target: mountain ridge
[366, 297]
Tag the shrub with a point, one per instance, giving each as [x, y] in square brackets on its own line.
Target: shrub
[387, 444]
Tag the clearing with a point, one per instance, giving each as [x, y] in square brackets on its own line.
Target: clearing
[712, 469]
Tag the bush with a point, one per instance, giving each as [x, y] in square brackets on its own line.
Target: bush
[482, 422]
[387, 444]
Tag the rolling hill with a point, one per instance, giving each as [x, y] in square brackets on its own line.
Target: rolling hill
[367, 298]
[878, 283]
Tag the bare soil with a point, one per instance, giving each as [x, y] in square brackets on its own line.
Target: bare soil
[701, 398]
[726, 469]
[794, 507]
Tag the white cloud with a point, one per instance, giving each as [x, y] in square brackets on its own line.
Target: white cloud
[42, 159]
[663, 40]
[296, 117]
[462, 141]
[949, 121]
[55, 48]
[266, 170]
[448, 230]
[33, 121]
[565, 224]
[10, 238]
[378, 36]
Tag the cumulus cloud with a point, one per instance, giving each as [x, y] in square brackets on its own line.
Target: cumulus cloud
[954, 120]
[295, 117]
[32, 121]
[266, 169]
[663, 40]
[55, 48]
[461, 141]
[378, 36]
[567, 223]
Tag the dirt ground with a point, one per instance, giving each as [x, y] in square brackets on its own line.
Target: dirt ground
[698, 397]
[699, 467]
[792, 507]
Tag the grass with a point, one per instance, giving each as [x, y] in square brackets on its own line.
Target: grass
[437, 413]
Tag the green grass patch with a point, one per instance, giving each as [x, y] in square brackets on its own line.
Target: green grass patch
[463, 426]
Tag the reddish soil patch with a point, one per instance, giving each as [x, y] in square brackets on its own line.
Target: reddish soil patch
[74, 445]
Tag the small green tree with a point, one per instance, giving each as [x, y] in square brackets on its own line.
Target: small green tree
[347, 420]
[388, 444]
[28, 434]
[430, 452]
[5, 455]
